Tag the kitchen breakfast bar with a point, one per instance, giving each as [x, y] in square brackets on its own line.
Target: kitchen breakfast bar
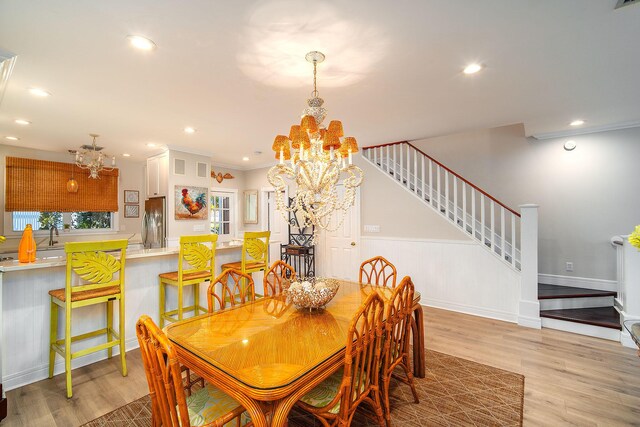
[25, 308]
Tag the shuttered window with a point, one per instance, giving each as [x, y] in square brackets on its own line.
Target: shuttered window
[41, 186]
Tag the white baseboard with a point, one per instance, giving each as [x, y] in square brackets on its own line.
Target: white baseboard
[473, 310]
[627, 341]
[530, 322]
[578, 282]
[582, 329]
[41, 372]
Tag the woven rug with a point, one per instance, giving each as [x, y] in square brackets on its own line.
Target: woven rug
[455, 392]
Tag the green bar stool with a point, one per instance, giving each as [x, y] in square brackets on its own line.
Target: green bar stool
[90, 280]
[255, 254]
[196, 265]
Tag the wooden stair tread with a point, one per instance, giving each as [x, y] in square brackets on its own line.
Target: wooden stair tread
[606, 317]
[556, 291]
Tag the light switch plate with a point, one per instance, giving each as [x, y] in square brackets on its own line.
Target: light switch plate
[198, 227]
[372, 228]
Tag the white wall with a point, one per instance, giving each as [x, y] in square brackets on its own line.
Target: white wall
[454, 275]
[177, 228]
[398, 213]
[586, 195]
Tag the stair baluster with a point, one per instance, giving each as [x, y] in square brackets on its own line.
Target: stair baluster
[484, 218]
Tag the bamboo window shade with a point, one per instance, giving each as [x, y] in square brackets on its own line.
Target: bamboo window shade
[41, 186]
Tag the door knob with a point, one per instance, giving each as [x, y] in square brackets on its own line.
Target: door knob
[353, 243]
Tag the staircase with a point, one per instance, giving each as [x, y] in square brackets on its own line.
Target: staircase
[579, 310]
[479, 215]
[497, 228]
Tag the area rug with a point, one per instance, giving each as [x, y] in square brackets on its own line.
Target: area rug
[455, 392]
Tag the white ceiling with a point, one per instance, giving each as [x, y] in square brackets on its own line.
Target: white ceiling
[235, 70]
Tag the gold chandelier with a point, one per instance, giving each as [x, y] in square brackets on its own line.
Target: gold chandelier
[316, 158]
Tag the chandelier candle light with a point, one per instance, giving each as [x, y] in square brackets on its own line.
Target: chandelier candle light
[316, 158]
[91, 157]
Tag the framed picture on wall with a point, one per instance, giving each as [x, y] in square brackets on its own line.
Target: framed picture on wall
[131, 211]
[191, 202]
[251, 207]
[131, 196]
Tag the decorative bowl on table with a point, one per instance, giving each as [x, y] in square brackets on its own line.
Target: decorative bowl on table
[312, 292]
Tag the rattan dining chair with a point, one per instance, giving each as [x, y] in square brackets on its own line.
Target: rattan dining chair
[228, 290]
[378, 271]
[169, 405]
[397, 327]
[335, 400]
[277, 278]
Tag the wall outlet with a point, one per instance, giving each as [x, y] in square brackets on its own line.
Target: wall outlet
[569, 266]
[372, 228]
[198, 227]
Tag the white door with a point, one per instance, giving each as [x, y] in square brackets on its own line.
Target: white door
[339, 252]
[275, 223]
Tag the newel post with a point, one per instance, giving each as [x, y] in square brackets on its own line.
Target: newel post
[529, 307]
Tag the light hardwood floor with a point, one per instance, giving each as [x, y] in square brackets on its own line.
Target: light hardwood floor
[569, 379]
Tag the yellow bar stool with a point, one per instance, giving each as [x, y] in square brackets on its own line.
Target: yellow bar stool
[196, 265]
[93, 277]
[255, 254]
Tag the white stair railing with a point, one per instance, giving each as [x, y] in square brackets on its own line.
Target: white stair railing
[462, 203]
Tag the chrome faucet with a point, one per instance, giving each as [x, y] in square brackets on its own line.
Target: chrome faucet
[51, 241]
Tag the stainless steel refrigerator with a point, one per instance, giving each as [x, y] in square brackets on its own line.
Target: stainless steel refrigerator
[154, 223]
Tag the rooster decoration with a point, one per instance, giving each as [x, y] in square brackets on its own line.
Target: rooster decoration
[193, 206]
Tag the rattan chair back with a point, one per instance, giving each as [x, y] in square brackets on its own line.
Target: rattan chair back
[278, 278]
[378, 271]
[362, 358]
[398, 315]
[227, 290]
[163, 375]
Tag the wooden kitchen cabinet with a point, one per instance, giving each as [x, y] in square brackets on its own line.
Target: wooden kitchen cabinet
[158, 175]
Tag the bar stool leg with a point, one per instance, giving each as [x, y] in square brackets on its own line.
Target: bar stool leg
[123, 353]
[180, 301]
[109, 327]
[67, 348]
[53, 337]
[196, 298]
[162, 303]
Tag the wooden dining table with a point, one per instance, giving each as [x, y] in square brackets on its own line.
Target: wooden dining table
[267, 354]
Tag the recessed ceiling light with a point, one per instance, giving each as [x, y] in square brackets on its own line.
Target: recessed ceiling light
[569, 145]
[141, 43]
[151, 144]
[246, 159]
[472, 68]
[15, 138]
[126, 155]
[22, 122]
[35, 91]
[189, 129]
[578, 122]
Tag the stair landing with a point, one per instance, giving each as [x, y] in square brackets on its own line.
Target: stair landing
[606, 317]
[556, 291]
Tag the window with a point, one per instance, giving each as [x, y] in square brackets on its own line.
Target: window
[70, 220]
[223, 214]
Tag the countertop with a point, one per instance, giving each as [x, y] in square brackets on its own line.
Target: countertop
[56, 261]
